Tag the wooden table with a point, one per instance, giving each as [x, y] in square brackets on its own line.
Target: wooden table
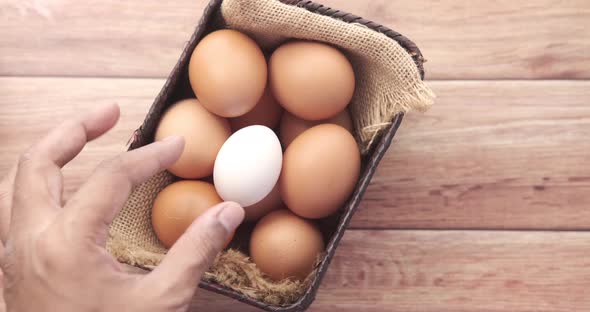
[481, 204]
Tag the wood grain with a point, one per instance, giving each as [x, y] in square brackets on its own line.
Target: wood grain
[458, 271]
[506, 154]
[29, 107]
[501, 39]
[461, 39]
[449, 271]
[489, 155]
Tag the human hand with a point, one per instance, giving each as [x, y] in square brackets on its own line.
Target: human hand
[54, 255]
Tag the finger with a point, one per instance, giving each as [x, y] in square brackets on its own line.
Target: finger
[6, 202]
[96, 203]
[196, 249]
[38, 180]
[67, 140]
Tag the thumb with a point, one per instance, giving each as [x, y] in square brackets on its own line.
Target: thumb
[194, 252]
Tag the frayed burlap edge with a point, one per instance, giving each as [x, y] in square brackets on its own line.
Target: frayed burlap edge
[231, 269]
[132, 240]
[235, 270]
[387, 80]
[421, 99]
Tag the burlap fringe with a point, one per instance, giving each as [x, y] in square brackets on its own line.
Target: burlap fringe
[387, 80]
[235, 270]
[231, 269]
[388, 83]
[419, 99]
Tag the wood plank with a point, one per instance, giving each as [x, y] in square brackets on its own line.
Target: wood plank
[449, 271]
[474, 161]
[454, 271]
[29, 107]
[95, 37]
[143, 38]
[499, 39]
[512, 154]
[459, 271]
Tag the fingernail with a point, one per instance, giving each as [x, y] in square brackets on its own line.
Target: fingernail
[231, 216]
[102, 108]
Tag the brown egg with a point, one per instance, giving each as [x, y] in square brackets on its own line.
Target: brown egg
[267, 113]
[320, 170]
[292, 126]
[228, 72]
[311, 80]
[203, 133]
[178, 205]
[284, 245]
[271, 202]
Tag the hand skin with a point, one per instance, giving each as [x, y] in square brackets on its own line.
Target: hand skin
[53, 253]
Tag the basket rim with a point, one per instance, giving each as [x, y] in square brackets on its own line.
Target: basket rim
[308, 297]
[142, 136]
[404, 41]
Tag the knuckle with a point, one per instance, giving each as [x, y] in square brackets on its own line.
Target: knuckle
[31, 160]
[27, 157]
[116, 166]
[44, 247]
[48, 253]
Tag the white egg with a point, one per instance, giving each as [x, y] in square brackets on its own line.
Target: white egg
[248, 165]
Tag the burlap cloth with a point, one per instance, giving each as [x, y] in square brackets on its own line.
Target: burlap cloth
[387, 83]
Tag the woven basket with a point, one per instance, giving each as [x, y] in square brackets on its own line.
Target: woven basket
[177, 87]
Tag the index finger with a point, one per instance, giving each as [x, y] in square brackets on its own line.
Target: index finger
[98, 201]
[66, 141]
[38, 178]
